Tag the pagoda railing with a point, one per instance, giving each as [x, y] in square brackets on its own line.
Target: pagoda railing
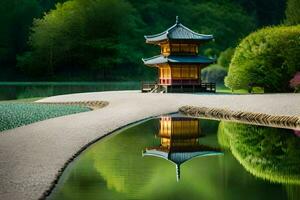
[155, 87]
[209, 87]
[170, 81]
[148, 86]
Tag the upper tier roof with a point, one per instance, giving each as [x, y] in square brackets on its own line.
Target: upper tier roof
[177, 32]
[160, 59]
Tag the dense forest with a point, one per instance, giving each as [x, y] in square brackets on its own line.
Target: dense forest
[96, 40]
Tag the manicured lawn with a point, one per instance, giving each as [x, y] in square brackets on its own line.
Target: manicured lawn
[225, 90]
[18, 113]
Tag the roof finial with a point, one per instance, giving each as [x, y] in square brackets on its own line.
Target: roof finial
[177, 172]
[177, 20]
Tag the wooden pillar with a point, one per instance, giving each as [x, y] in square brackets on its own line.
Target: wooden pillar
[199, 74]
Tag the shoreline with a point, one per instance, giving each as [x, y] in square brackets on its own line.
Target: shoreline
[260, 119]
[35, 155]
[68, 162]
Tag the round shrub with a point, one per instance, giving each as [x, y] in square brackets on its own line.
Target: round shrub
[213, 73]
[268, 58]
[225, 57]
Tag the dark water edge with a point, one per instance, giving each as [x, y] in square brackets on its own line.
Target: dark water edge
[15, 90]
[117, 166]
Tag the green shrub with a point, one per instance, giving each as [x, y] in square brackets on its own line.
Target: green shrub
[225, 57]
[213, 73]
[268, 58]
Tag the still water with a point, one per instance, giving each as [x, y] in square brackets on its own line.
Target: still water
[16, 90]
[173, 157]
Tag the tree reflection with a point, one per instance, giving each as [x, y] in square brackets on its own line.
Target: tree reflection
[269, 153]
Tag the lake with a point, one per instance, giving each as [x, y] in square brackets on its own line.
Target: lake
[20, 90]
[174, 157]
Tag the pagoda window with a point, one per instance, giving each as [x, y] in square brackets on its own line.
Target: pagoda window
[185, 72]
[176, 72]
[188, 49]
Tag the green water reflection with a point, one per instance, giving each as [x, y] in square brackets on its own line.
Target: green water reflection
[269, 153]
[115, 168]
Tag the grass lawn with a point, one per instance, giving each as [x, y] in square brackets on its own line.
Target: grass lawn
[225, 90]
[21, 112]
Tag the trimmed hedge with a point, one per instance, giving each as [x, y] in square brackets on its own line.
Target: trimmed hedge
[267, 58]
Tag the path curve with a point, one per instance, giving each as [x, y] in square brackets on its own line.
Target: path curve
[31, 156]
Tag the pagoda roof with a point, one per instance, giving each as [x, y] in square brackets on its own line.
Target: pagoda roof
[179, 158]
[177, 32]
[160, 59]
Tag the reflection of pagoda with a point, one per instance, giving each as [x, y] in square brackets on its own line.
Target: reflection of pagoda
[179, 141]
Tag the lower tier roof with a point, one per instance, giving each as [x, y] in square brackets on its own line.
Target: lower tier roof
[160, 59]
[179, 157]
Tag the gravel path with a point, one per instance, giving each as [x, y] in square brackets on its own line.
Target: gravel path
[32, 156]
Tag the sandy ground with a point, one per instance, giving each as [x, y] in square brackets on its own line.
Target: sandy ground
[31, 156]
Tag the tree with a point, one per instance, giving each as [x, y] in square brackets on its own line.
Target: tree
[214, 73]
[268, 58]
[292, 12]
[214, 18]
[225, 57]
[267, 12]
[15, 18]
[82, 35]
[105, 37]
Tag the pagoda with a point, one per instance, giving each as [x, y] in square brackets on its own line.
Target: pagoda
[179, 142]
[179, 65]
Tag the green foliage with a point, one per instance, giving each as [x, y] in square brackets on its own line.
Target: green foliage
[105, 37]
[102, 40]
[292, 12]
[15, 18]
[93, 34]
[225, 57]
[268, 58]
[268, 153]
[214, 74]
[14, 115]
[267, 12]
[214, 18]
